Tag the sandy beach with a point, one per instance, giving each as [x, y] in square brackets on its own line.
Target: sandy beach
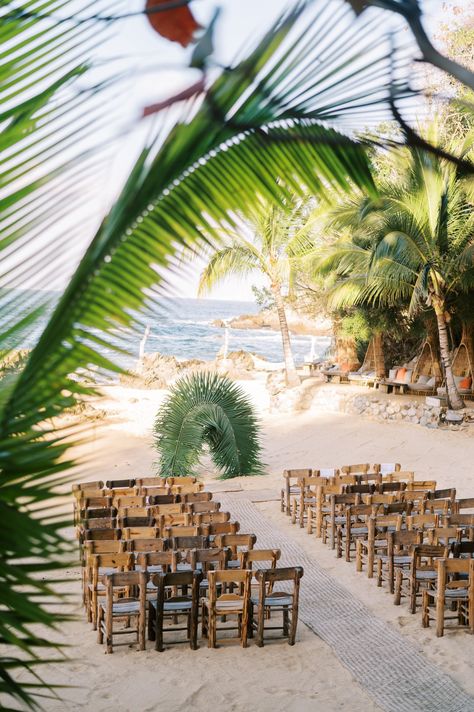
[308, 676]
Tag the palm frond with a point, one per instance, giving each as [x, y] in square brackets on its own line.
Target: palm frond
[234, 259]
[286, 110]
[208, 409]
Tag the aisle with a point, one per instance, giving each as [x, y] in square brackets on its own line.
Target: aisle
[386, 664]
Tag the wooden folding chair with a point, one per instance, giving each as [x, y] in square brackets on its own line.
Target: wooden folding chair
[391, 487]
[291, 487]
[202, 507]
[131, 522]
[153, 562]
[258, 557]
[195, 497]
[174, 531]
[126, 609]
[463, 549]
[316, 513]
[211, 518]
[354, 527]
[185, 543]
[139, 546]
[336, 515]
[399, 555]
[81, 486]
[463, 503]
[454, 586]
[422, 522]
[141, 533]
[120, 484]
[361, 469]
[387, 468]
[215, 529]
[151, 482]
[166, 606]
[182, 489]
[207, 560]
[421, 574]
[465, 522]
[100, 523]
[120, 501]
[184, 480]
[162, 493]
[98, 565]
[227, 604]
[237, 544]
[376, 542]
[268, 601]
[308, 492]
[398, 476]
[427, 485]
[444, 535]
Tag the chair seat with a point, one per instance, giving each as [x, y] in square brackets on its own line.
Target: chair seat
[426, 575]
[233, 564]
[452, 593]
[396, 559]
[359, 530]
[378, 543]
[125, 608]
[236, 605]
[175, 604]
[275, 599]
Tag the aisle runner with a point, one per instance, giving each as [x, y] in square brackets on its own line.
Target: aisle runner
[384, 662]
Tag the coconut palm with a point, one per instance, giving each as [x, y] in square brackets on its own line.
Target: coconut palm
[413, 246]
[208, 409]
[275, 113]
[281, 238]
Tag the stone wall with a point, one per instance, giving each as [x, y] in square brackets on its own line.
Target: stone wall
[316, 396]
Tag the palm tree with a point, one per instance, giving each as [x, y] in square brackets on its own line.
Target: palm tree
[276, 113]
[413, 246]
[208, 409]
[281, 238]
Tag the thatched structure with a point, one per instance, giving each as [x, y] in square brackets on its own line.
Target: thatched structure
[428, 362]
[374, 357]
[463, 359]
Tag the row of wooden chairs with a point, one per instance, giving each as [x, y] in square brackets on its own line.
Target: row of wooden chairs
[363, 472]
[250, 611]
[405, 535]
[141, 548]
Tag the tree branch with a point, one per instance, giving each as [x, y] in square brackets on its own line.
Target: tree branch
[410, 10]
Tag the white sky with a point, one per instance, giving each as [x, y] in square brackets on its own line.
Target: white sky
[159, 73]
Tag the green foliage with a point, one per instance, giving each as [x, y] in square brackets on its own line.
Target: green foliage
[263, 297]
[275, 113]
[208, 409]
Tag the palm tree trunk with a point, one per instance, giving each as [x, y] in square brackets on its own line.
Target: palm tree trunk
[454, 399]
[379, 359]
[292, 378]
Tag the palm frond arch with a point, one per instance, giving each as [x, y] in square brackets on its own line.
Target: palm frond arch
[208, 409]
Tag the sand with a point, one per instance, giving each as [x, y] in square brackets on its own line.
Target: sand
[277, 677]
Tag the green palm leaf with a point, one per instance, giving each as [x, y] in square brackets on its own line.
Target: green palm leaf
[286, 111]
[208, 409]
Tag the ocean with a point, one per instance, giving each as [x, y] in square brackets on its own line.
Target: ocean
[184, 328]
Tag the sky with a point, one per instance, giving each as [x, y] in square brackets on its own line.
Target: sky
[156, 71]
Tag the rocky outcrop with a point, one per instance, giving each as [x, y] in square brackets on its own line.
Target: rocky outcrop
[268, 319]
[160, 371]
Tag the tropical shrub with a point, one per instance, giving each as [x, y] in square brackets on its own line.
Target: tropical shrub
[208, 409]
